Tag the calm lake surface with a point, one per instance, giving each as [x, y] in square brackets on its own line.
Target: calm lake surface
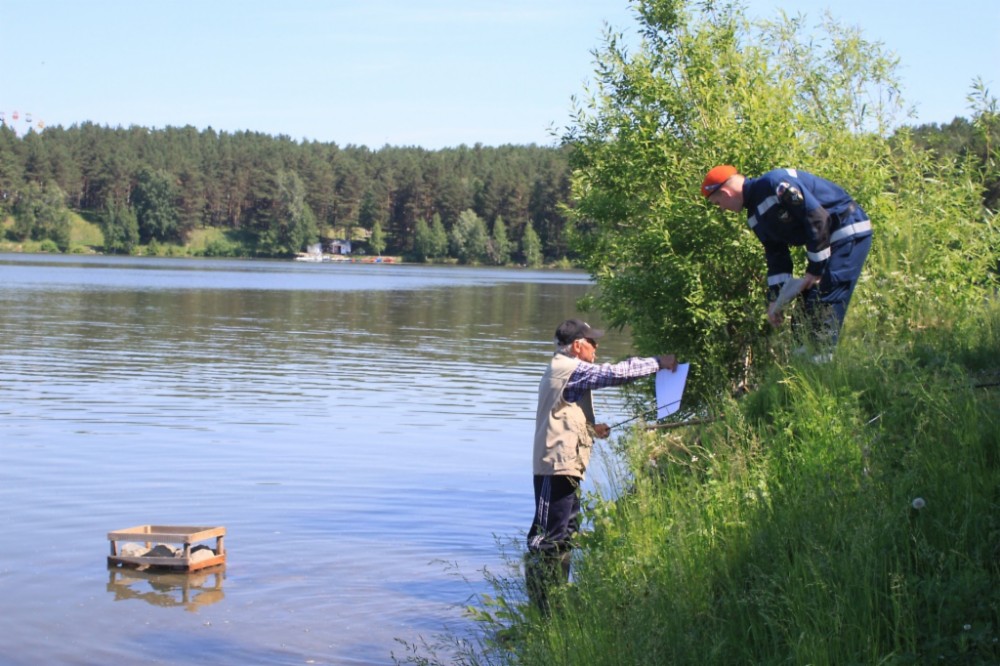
[362, 431]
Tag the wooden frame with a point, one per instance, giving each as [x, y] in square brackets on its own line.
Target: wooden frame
[169, 534]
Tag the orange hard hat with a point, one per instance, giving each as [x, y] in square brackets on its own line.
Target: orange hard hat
[716, 177]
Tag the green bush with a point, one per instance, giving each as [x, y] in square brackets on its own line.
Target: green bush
[709, 87]
[220, 247]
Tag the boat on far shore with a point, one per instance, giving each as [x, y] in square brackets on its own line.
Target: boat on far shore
[315, 257]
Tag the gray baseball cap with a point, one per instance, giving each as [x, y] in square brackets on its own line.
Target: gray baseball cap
[575, 329]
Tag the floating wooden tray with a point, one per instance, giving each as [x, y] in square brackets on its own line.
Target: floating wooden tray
[168, 534]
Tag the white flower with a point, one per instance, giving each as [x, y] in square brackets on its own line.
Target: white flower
[918, 503]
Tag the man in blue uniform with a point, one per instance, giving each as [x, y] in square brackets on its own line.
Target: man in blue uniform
[788, 207]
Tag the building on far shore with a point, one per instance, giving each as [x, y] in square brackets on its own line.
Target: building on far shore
[340, 246]
[336, 249]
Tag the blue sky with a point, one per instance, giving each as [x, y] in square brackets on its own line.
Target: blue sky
[431, 73]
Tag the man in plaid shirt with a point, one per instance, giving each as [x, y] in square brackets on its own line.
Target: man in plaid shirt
[565, 428]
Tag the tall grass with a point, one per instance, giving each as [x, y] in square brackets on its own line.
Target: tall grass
[843, 513]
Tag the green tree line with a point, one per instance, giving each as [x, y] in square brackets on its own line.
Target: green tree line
[274, 196]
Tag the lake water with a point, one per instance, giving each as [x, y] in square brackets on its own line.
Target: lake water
[362, 431]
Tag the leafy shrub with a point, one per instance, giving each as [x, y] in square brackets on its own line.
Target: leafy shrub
[220, 247]
[708, 87]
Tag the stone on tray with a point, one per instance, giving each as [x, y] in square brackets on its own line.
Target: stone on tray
[163, 550]
[199, 553]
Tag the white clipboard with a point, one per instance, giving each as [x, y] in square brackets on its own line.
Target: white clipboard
[670, 389]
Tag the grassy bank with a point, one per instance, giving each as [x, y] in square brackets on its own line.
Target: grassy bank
[846, 513]
[85, 237]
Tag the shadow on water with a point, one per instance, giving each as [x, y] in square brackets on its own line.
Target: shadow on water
[189, 591]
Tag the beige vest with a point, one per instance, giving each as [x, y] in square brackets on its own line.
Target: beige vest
[563, 439]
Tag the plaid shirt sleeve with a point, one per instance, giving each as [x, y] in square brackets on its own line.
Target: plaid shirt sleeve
[589, 376]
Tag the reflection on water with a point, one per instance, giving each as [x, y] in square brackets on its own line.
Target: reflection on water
[185, 590]
[353, 427]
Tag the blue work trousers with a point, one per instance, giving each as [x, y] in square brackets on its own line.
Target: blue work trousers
[826, 304]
